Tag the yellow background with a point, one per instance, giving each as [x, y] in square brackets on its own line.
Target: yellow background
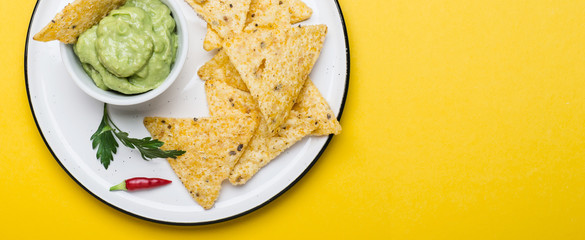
[464, 119]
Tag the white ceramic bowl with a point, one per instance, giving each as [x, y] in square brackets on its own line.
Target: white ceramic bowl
[80, 77]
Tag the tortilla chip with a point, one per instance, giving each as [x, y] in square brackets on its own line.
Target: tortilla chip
[263, 148]
[213, 146]
[220, 67]
[268, 14]
[299, 11]
[75, 18]
[226, 17]
[274, 64]
[312, 105]
[212, 40]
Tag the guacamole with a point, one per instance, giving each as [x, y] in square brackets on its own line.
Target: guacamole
[131, 50]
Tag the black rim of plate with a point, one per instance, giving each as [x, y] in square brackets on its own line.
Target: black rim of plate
[342, 106]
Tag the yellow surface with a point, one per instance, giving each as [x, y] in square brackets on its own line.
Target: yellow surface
[464, 119]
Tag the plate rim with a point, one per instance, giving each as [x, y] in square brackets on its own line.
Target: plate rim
[225, 219]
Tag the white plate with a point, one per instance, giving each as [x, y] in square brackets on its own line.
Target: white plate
[67, 117]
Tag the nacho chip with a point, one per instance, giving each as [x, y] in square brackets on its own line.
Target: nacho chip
[274, 64]
[212, 40]
[312, 105]
[263, 148]
[226, 17]
[213, 146]
[220, 67]
[299, 11]
[75, 18]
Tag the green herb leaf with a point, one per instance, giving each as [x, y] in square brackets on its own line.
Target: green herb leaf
[148, 147]
[104, 139]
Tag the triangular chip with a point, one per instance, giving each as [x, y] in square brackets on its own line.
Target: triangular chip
[75, 18]
[220, 67]
[311, 104]
[226, 17]
[299, 11]
[263, 148]
[274, 64]
[213, 146]
[212, 40]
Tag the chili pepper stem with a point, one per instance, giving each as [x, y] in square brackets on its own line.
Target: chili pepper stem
[119, 187]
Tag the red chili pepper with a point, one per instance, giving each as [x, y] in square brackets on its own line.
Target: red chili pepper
[138, 183]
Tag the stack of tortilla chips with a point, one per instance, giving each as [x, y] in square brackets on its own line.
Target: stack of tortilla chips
[258, 91]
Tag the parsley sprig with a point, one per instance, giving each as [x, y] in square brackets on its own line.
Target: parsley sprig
[104, 139]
